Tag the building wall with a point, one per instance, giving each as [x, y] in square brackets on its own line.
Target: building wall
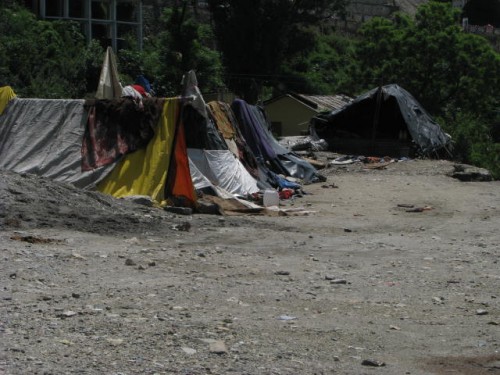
[292, 114]
[105, 20]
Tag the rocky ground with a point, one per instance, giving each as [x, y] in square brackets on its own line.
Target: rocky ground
[381, 270]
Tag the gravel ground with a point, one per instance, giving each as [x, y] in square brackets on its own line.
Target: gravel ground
[388, 270]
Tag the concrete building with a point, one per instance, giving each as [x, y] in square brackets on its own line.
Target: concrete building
[105, 20]
[290, 114]
[478, 12]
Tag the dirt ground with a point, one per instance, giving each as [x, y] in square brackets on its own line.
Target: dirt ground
[378, 271]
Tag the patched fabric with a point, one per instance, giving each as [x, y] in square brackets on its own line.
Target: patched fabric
[117, 127]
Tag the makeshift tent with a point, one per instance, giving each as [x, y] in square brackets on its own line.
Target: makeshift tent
[215, 127]
[255, 129]
[145, 171]
[122, 149]
[223, 117]
[208, 151]
[47, 137]
[382, 120]
[44, 137]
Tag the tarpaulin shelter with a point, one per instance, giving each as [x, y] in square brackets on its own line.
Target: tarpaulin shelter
[165, 149]
[161, 169]
[208, 151]
[384, 120]
[46, 137]
[255, 129]
[225, 121]
[240, 130]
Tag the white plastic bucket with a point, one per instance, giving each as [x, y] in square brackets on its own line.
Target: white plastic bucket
[270, 198]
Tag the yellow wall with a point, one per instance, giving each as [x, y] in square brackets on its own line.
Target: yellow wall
[293, 115]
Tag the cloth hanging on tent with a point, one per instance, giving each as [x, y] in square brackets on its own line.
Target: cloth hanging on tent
[117, 127]
[144, 83]
[226, 122]
[6, 95]
[221, 117]
[145, 171]
[255, 128]
[179, 188]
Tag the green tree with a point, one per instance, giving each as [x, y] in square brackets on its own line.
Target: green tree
[323, 69]
[184, 45]
[432, 58]
[44, 59]
[453, 74]
[255, 37]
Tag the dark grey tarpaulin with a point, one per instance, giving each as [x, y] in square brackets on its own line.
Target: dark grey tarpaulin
[387, 112]
[44, 137]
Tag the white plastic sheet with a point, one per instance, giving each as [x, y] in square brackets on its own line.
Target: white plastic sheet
[224, 170]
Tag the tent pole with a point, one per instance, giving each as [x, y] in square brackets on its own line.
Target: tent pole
[376, 116]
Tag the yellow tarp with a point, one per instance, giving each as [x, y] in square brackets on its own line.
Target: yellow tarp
[6, 95]
[144, 171]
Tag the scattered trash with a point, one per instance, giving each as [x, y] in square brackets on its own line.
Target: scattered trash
[286, 194]
[270, 198]
[218, 347]
[182, 227]
[188, 351]
[286, 317]
[347, 159]
[67, 314]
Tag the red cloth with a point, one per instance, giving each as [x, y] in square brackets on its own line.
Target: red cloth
[117, 127]
[286, 194]
[140, 90]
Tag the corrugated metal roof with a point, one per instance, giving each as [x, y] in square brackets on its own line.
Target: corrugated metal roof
[325, 102]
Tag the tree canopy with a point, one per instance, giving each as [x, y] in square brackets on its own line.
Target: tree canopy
[45, 59]
[256, 37]
[455, 75]
[432, 58]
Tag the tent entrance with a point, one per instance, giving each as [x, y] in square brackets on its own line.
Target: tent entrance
[372, 128]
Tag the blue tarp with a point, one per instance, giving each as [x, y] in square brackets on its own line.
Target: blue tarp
[255, 129]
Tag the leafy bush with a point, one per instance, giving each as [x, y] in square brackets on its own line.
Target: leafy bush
[472, 141]
[44, 59]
